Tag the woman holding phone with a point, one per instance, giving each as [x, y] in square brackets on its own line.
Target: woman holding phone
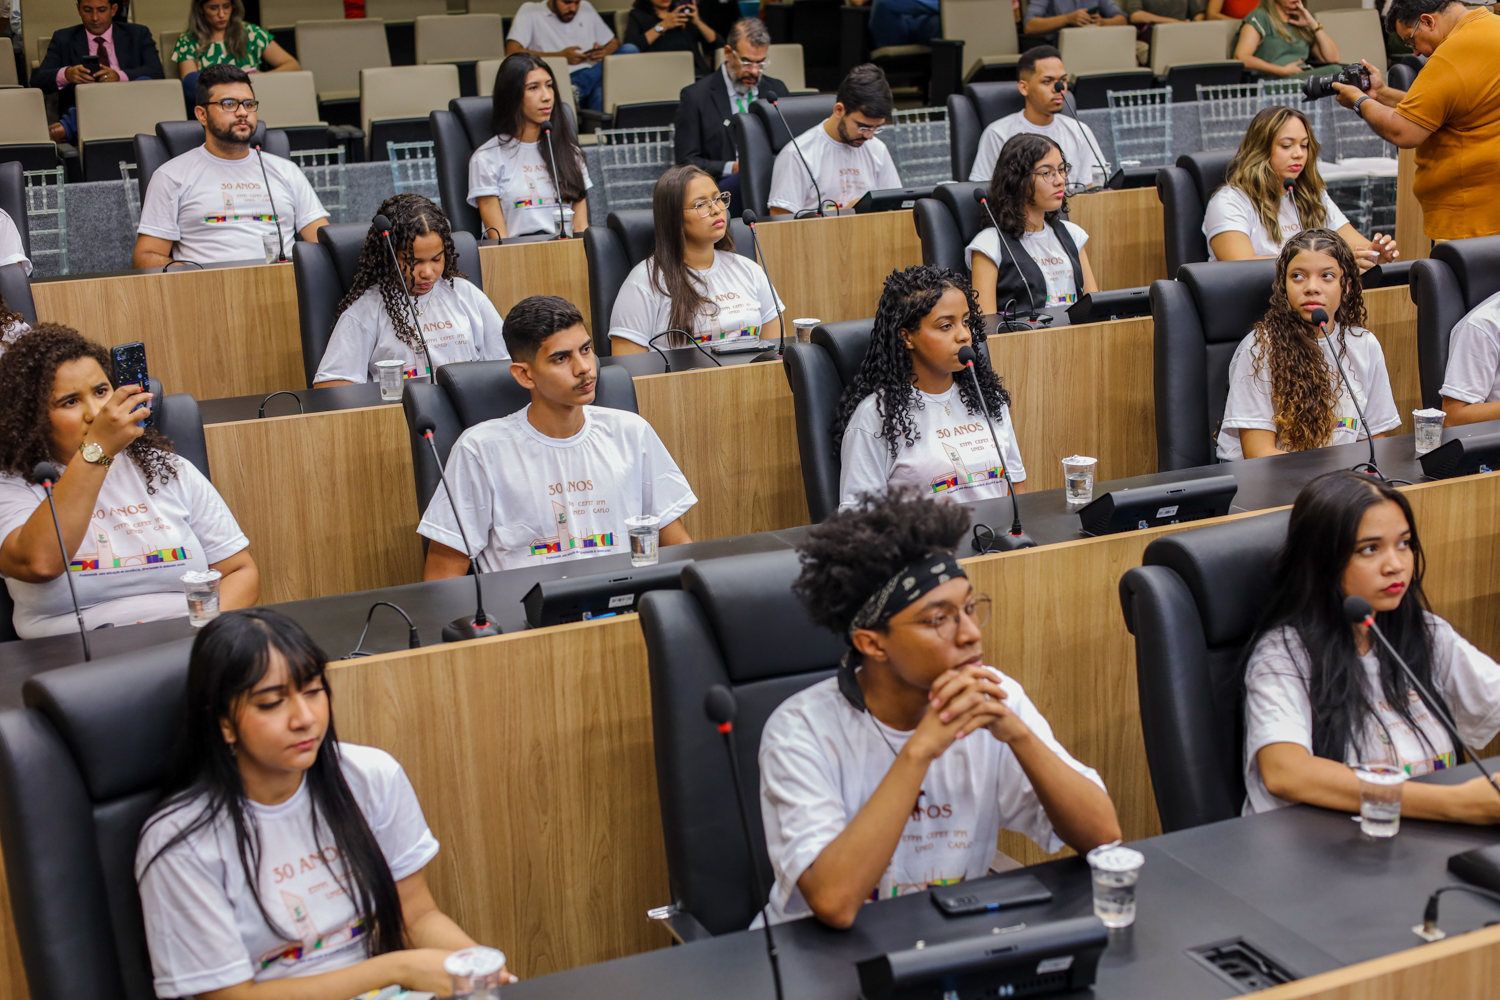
[1281, 38]
[672, 26]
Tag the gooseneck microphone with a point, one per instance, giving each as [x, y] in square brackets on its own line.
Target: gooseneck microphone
[1320, 320]
[384, 225]
[771, 99]
[749, 219]
[562, 232]
[1000, 236]
[1358, 611]
[1016, 538]
[45, 475]
[1289, 184]
[1110, 180]
[720, 706]
[480, 624]
[281, 257]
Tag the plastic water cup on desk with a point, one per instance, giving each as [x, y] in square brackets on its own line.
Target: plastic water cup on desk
[644, 529]
[1115, 870]
[1380, 799]
[1078, 479]
[476, 972]
[390, 378]
[1429, 426]
[202, 589]
[804, 328]
[272, 244]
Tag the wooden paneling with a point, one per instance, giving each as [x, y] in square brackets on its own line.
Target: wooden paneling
[834, 269]
[555, 267]
[1127, 241]
[1392, 317]
[1411, 233]
[327, 499]
[12, 974]
[1465, 967]
[228, 331]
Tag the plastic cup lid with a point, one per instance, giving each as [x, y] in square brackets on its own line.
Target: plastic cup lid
[475, 961]
[1079, 460]
[390, 363]
[201, 576]
[1383, 774]
[1429, 412]
[643, 521]
[1116, 859]
[806, 322]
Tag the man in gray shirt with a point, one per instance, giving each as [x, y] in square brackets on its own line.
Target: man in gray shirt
[1047, 16]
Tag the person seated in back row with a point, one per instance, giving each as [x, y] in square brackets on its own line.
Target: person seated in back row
[217, 33]
[571, 30]
[1471, 384]
[211, 204]
[124, 52]
[1040, 71]
[557, 478]
[694, 282]
[841, 152]
[1047, 17]
[1282, 38]
[459, 322]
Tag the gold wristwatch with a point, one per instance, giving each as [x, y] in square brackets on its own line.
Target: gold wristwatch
[93, 453]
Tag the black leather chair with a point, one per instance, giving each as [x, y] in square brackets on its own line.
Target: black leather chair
[946, 223]
[1401, 76]
[970, 113]
[759, 135]
[80, 766]
[1192, 607]
[325, 271]
[1457, 277]
[15, 289]
[1184, 191]
[456, 133]
[472, 392]
[172, 139]
[13, 200]
[1199, 319]
[613, 249]
[713, 631]
[818, 373]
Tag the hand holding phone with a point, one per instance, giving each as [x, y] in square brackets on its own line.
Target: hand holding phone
[129, 362]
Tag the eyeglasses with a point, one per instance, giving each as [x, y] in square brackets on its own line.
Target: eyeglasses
[1047, 173]
[945, 624]
[229, 104]
[705, 206]
[869, 131]
[759, 64]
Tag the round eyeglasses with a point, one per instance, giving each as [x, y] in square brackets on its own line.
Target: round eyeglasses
[945, 623]
[706, 206]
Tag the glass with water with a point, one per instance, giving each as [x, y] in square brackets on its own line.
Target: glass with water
[271, 243]
[1115, 870]
[644, 530]
[476, 973]
[390, 378]
[1429, 429]
[202, 589]
[1380, 799]
[1078, 479]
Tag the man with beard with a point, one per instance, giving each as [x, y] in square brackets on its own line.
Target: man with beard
[211, 205]
[704, 137]
[572, 30]
[841, 152]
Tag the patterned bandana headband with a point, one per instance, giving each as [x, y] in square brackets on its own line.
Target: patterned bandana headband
[905, 588]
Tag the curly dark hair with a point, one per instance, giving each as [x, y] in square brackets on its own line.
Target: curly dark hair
[1012, 185]
[8, 315]
[887, 371]
[1408, 12]
[1304, 387]
[27, 370]
[411, 216]
[856, 551]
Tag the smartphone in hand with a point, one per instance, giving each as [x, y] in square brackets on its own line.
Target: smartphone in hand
[129, 362]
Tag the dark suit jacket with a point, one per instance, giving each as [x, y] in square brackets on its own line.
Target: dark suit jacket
[704, 137]
[134, 46]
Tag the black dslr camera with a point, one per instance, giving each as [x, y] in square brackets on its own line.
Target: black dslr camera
[1317, 87]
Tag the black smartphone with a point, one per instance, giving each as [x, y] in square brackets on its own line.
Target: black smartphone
[999, 892]
[1094, 11]
[130, 369]
[90, 63]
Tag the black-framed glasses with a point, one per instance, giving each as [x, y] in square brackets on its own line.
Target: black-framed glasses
[229, 104]
[705, 206]
[945, 623]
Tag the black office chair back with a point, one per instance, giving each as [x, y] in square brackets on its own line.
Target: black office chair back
[13, 201]
[970, 113]
[714, 631]
[80, 768]
[759, 135]
[802, 112]
[946, 223]
[325, 270]
[1401, 76]
[1199, 319]
[472, 392]
[456, 133]
[1184, 191]
[172, 139]
[1458, 276]
[1192, 607]
[818, 373]
[15, 289]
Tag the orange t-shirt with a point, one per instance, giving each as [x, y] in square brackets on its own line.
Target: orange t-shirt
[1457, 96]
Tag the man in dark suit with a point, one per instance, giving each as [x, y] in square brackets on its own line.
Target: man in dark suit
[124, 52]
[704, 136]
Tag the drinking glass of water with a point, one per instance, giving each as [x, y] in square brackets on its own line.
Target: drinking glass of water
[1380, 799]
[390, 378]
[1116, 870]
[202, 589]
[271, 243]
[1429, 429]
[1078, 479]
[644, 529]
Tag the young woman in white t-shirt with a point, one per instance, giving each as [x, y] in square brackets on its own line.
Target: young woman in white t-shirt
[375, 320]
[513, 180]
[1254, 213]
[1285, 389]
[911, 417]
[1323, 696]
[134, 516]
[694, 287]
[279, 853]
[1027, 194]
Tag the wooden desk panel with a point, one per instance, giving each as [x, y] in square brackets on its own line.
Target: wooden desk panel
[1392, 317]
[1464, 967]
[228, 331]
[556, 267]
[1127, 240]
[1411, 229]
[834, 269]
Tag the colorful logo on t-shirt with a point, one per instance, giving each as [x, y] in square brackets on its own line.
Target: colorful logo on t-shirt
[565, 540]
[537, 202]
[252, 217]
[316, 945]
[414, 371]
[710, 336]
[105, 557]
[1347, 424]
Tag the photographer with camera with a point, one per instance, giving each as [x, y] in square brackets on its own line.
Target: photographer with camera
[1451, 115]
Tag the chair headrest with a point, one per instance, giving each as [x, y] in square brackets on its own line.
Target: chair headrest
[741, 596]
[482, 390]
[1207, 168]
[1476, 265]
[183, 137]
[993, 101]
[847, 343]
[969, 215]
[475, 113]
[118, 716]
[637, 232]
[344, 241]
[802, 112]
[1227, 568]
[1231, 295]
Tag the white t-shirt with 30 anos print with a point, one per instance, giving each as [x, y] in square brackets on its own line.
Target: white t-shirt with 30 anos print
[741, 301]
[515, 172]
[844, 172]
[526, 498]
[458, 321]
[1230, 210]
[1045, 249]
[137, 547]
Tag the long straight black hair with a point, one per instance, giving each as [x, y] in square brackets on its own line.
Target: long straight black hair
[230, 657]
[1307, 595]
[668, 269]
[508, 120]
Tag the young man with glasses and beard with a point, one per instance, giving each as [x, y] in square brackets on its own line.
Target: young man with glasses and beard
[900, 772]
[841, 151]
[211, 204]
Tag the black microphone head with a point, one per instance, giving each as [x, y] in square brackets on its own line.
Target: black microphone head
[966, 355]
[770, 98]
[1320, 317]
[748, 217]
[979, 195]
[546, 126]
[719, 705]
[381, 223]
[425, 425]
[1356, 608]
[1288, 183]
[44, 472]
[1060, 86]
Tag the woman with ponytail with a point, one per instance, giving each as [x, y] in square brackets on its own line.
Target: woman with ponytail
[912, 417]
[279, 853]
[1285, 391]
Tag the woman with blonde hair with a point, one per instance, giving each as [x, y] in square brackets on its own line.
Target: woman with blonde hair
[218, 33]
[1281, 38]
[1272, 191]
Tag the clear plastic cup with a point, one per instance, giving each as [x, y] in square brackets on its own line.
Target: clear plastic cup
[1116, 870]
[1380, 799]
[644, 529]
[390, 378]
[202, 589]
[272, 244]
[804, 328]
[475, 972]
[1078, 479]
[1429, 427]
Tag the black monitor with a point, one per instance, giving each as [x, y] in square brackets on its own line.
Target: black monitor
[579, 598]
[1153, 506]
[892, 199]
[1116, 303]
[1468, 450]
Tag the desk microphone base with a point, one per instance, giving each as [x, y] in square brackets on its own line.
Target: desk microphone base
[464, 628]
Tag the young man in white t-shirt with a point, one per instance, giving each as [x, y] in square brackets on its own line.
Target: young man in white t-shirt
[12, 251]
[557, 479]
[1471, 385]
[212, 204]
[571, 30]
[841, 151]
[900, 772]
[1039, 71]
